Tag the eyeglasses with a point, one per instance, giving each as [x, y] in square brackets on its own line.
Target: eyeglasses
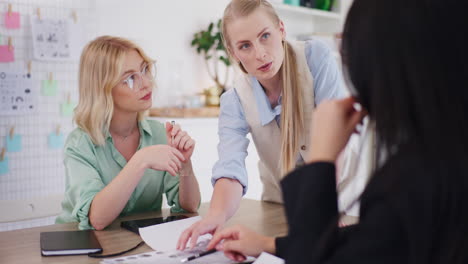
[135, 80]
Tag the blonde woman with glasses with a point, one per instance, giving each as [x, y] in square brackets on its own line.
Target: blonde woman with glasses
[273, 100]
[117, 162]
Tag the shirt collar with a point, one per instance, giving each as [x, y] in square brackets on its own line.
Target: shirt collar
[142, 125]
[145, 127]
[265, 112]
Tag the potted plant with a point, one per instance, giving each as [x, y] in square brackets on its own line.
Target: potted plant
[209, 44]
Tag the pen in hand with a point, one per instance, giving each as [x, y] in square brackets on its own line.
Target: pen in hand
[173, 124]
[199, 255]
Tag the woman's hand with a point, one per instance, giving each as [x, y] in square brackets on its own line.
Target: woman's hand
[332, 124]
[161, 158]
[208, 225]
[182, 141]
[238, 242]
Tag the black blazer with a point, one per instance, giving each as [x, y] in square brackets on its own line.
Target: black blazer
[408, 214]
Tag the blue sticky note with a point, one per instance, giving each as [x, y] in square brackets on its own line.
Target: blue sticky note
[49, 87]
[13, 144]
[67, 109]
[56, 141]
[4, 166]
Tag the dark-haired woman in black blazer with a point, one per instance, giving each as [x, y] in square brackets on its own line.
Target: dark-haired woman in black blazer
[407, 62]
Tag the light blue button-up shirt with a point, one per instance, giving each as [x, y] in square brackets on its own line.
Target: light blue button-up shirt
[233, 126]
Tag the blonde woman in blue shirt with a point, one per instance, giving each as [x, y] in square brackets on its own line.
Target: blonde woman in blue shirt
[273, 100]
[117, 162]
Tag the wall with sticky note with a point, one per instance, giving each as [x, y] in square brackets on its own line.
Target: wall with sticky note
[37, 97]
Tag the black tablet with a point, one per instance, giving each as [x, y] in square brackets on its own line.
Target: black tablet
[133, 225]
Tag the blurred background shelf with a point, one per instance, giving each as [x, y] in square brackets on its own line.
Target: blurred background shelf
[308, 11]
[184, 112]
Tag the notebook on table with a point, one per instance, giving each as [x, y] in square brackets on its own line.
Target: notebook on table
[69, 243]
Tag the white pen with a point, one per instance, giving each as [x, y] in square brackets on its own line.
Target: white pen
[173, 124]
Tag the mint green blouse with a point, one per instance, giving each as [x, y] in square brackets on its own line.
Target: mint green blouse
[89, 168]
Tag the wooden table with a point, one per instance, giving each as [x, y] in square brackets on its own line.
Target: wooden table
[22, 246]
[212, 111]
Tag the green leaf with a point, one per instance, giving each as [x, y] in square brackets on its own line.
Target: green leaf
[209, 43]
[220, 46]
[210, 27]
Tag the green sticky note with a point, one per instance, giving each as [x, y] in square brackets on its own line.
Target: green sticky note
[13, 144]
[4, 166]
[49, 87]
[67, 109]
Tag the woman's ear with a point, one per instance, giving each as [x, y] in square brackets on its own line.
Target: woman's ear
[282, 30]
[231, 55]
[234, 57]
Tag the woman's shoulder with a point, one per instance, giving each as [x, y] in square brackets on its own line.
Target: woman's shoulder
[78, 138]
[316, 47]
[229, 97]
[79, 144]
[316, 52]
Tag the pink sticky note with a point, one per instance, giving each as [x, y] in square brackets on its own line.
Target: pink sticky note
[6, 55]
[12, 20]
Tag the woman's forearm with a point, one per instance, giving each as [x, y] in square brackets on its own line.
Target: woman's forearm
[111, 200]
[189, 191]
[227, 194]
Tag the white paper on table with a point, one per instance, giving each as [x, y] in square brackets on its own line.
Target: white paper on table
[163, 237]
[266, 258]
[175, 257]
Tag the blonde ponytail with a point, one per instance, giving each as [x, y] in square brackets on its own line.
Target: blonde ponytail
[292, 115]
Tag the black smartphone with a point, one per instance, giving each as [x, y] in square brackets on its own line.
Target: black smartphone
[133, 225]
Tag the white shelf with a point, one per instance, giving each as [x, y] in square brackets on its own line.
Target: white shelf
[308, 11]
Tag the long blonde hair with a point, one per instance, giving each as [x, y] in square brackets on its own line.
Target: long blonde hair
[101, 65]
[292, 116]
